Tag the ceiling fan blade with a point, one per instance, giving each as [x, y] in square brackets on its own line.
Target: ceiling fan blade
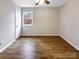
[47, 2]
[36, 3]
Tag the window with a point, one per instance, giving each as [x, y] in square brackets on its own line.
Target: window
[27, 18]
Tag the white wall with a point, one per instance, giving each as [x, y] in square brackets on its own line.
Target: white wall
[45, 22]
[7, 23]
[69, 22]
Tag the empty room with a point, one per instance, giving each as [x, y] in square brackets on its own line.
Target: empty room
[39, 29]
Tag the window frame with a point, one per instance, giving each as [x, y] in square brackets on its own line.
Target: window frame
[27, 18]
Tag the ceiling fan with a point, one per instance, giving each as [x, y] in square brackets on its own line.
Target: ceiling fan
[42, 1]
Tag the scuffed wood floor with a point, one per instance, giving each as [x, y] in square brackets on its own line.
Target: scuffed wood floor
[40, 48]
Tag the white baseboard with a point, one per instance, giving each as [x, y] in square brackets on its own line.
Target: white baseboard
[69, 42]
[39, 34]
[7, 46]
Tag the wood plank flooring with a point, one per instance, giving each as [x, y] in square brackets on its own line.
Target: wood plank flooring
[40, 48]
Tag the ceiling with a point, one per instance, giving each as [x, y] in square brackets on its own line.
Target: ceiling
[31, 3]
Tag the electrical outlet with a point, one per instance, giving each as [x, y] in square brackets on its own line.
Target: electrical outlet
[1, 42]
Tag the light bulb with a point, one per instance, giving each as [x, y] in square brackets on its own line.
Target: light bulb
[41, 2]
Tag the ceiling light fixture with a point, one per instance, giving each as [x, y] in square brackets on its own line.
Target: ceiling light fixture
[41, 2]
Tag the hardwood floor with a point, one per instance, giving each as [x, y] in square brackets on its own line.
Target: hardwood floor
[40, 48]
